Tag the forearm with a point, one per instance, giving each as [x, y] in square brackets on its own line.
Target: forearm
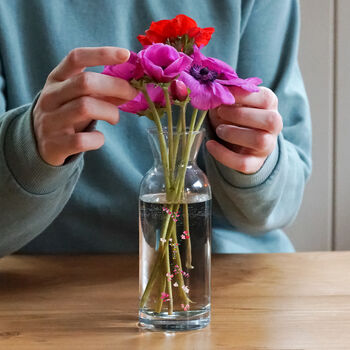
[32, 193]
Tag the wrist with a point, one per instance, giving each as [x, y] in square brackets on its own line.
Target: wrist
[30, 171]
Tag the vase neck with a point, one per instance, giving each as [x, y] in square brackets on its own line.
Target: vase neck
[184, 146]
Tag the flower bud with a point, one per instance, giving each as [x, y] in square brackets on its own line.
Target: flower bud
[178, 90]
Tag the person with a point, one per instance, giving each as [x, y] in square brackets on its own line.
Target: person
[70, 186]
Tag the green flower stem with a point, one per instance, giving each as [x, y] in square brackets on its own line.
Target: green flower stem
[179, 189]
[177, 140]
[182, 171]
[159, 304]
[183, 120]
[179, 276]
[170, 132]
[172, 234]
[168, 282]
[201, 120]
[162, 143]
[166, 223]
[193, 119]
[188, 240]
[180, 127]
[156, 272]
[185, 205]
[179, 183]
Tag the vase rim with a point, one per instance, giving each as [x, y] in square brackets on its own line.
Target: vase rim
[154, 131]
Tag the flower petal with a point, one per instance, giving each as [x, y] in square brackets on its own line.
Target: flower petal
[144, 40]
[162, 55]
[204, 36]
[156, 94]
[223, 95]
[221, 67]
[163, 62]
[206, 96]
[139, 103]
[152, 69]
[131, 69]
[178, 66]
[250, 84]
[200, 95]
[183, 24]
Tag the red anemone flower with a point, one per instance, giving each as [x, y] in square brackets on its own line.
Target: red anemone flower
[168, 30]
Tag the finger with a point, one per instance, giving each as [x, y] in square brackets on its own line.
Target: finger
[215, 119]
[80, 58]
[264, 99]
[268, 120]
[79, 113]
[247, 164]
[55, 150]
[84, 141]
[88, 84]
[261, 142]
[113, 100]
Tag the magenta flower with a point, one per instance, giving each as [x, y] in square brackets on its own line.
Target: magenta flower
[163, 62]
[208, 79]
[139, 103]
[129, 70]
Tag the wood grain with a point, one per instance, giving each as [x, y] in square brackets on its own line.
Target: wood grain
[261, 302]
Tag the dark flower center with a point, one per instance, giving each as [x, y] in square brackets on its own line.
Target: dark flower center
[203, 74]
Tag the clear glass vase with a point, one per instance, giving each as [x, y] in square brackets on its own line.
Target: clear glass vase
[175, 235]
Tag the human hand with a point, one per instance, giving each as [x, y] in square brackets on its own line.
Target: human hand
[249, 130]
[71, 99]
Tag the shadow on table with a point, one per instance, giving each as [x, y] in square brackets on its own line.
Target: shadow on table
[40, 273]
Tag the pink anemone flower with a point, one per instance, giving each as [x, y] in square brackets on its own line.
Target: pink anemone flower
[163, 62]
[208, 78]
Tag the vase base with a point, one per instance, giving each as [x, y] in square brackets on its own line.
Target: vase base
[178, 321]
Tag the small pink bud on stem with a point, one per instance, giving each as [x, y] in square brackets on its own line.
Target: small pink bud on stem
[178, 90]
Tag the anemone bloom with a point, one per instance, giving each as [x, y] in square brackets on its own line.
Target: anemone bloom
[139, 104]
[129, 70]
[163, 62]
[173, 29]
[208, 79]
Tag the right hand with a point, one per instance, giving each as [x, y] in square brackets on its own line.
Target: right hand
[71, 99]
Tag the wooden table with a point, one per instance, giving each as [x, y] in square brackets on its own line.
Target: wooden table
[263, 302]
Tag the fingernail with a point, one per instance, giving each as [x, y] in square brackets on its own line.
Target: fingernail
[123, 54]
[220, 130]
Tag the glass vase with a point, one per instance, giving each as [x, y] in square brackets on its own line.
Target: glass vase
[175, 235]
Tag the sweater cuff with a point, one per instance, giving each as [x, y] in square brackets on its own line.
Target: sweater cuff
[30, 171]
[241, 180]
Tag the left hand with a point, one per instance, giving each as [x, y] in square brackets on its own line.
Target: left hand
[249, 130]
